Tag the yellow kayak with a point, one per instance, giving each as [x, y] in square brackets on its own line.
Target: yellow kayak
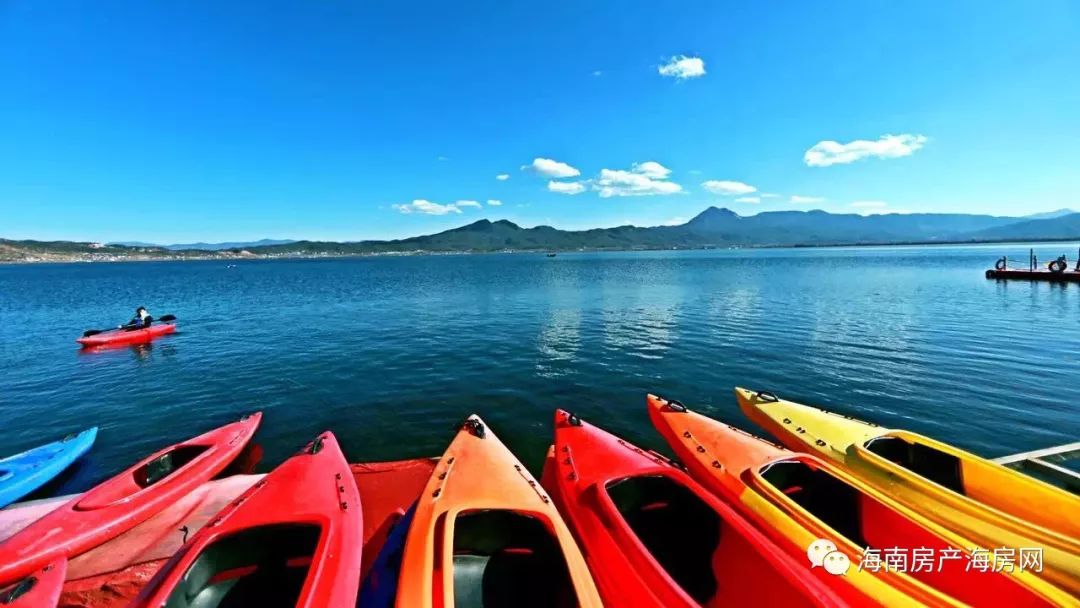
[983, 501]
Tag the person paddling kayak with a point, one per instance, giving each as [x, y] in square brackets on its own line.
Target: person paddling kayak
[141, 319]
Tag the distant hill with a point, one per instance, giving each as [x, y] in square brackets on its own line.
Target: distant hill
[1056, 228]
[45, 251]
[1049, 215]
[209, 246]
[713, 227]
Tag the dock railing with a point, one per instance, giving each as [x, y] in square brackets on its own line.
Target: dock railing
[1044, 463]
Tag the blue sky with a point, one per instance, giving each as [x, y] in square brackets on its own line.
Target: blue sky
[342, 120]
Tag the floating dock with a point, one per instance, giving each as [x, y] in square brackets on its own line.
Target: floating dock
[1069, 276]
[1056, 270]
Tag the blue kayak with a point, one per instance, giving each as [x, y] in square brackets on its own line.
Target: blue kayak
[23, 473]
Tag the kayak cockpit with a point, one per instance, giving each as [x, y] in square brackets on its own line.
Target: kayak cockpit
[858, 520]
[147, 474]
[950, 474]
[168, 463]
[506, 558]
[935, 465]
[677, 528]
[262, 566]
[19, 589]
[831, 500]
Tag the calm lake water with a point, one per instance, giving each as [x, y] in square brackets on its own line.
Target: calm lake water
[391, 353]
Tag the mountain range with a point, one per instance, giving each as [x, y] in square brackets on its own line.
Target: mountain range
[713, 227]
[207, 246]
[719, 227]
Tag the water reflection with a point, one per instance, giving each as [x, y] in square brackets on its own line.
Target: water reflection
[644, 332]
[558, 342]
[139, 352]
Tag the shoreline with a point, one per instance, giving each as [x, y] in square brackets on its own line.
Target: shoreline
[229, 256]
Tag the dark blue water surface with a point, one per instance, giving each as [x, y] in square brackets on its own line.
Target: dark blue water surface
[390, 353]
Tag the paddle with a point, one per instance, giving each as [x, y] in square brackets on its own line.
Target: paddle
[128, 327]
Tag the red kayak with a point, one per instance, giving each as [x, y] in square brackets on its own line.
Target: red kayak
[293, 539]
[653, 537]
[111, 575]
[124, 501]
[40, 589]
[127, 336]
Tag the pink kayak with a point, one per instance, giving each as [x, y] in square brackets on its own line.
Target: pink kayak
[127, 336]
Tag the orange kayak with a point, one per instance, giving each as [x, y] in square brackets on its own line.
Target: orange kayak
[811, 505]
[485, 533]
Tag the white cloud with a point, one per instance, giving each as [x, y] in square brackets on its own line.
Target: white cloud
[643, 179]
[795, 198]
[502, 177]
[651, 169]
[494, 202]
[727, 188]
[467, 204]
[427, 208]
[598, 72]
[566, 187]
[675, 221]
[748, 199]
[869, 204]
[551, 168]
[683, 67]
[828, 152]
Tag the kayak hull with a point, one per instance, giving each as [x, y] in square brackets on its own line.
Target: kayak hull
[990, 504]
[23, 473]
[802, 499]
[481, 512]
[653, 537]
[295, 538]
[126, 500]
[117, 337]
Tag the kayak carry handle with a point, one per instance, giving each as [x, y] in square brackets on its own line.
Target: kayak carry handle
[473, 426]
[674, 405]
